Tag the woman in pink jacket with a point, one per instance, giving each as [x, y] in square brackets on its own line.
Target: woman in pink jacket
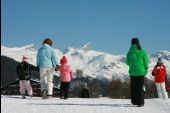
[66, 75]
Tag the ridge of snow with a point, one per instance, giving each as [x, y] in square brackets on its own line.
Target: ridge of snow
[95, 64]
[163, 53]
[87, 47]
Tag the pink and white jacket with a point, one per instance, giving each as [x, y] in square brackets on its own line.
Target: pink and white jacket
[66, 73]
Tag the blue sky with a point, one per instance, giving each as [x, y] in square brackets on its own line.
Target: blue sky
[108, 25]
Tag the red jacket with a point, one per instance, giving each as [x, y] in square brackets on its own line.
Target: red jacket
[160, 74]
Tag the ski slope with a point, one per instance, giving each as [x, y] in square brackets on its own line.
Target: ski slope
[14, 104]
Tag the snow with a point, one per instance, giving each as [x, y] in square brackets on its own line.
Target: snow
[95, 64]
[14, 104]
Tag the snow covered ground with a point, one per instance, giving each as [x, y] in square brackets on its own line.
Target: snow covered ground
[14, 104]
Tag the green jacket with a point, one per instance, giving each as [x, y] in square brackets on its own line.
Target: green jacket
[137, 60]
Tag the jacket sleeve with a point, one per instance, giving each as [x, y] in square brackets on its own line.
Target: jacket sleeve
[71, 73]
[38, 59]
[88, 93]
[33, 68]
[127, 60]
[165, 72]
[54, 59]
[18, 72]
[146, 61]
[154, 71]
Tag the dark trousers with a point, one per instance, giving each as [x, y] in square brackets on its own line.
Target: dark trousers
[64, 89]
[137, 92]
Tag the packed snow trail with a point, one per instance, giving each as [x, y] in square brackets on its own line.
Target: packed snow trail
[14, 104]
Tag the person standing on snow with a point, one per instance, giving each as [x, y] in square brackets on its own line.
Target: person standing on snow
[46, 61]
[85, 93]
[137, 60]
[24, 74]
[160, 76]
[66, 75]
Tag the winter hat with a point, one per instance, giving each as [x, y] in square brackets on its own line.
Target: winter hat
[63, 60]
[136, 42]
[85, 84]
[24, 58]
[160, 60]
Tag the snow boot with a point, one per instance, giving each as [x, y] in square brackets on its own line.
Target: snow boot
[62, 97]
[44, 94]
[31, 96]
[140, 105]
[49, 96]
[23, 97]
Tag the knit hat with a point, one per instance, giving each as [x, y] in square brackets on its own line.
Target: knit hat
[63, 60]
[85, 84]
[136, 42]
[160, 60]
[24, 58]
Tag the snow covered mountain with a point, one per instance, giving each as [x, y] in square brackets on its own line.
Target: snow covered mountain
[93, 63]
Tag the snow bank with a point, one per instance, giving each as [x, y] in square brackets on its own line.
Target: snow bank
[14, 104]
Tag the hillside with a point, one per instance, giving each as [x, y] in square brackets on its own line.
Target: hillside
[93, 63]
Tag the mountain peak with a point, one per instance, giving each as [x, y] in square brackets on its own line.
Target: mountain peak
[3, 47]
[93, 63]
[29, 47]
[162, 53]
[87, 47]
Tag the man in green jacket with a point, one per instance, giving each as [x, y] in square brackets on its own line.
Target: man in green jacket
[137, 60]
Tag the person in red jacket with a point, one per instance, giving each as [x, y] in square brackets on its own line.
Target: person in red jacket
[160, 76]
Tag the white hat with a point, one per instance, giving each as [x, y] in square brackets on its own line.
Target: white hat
[160, 60]
[24, 58]
[84, 84]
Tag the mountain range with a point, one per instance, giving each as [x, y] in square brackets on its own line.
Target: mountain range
[93, 63]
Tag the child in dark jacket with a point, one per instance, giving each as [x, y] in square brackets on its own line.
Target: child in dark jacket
[24, 74]
[66, 75]
[85, 91]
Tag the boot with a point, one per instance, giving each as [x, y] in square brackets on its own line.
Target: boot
[49, 96]
[23, 96]
[44, 94]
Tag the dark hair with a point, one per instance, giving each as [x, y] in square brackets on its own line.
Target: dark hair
[136, 41]
[48, 41]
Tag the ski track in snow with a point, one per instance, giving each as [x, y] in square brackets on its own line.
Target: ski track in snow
[14, 104]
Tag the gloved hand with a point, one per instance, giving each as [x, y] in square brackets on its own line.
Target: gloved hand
[166, 81]
[57, 67]
[38, 69]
